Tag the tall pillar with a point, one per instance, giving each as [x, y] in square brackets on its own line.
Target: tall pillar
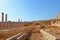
[5, 17]
[2, 19]
[6, 20]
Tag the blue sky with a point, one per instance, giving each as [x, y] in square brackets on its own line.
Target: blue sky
[30, 10]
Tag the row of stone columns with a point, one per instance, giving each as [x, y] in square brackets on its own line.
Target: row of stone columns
[8, 24]
[3, 19]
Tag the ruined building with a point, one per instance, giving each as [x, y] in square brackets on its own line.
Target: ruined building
[58, 17]
[9, 24]
[56, 22]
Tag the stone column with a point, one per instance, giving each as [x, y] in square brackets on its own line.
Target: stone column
[2, 19]
[6, 20]
[18, 20]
